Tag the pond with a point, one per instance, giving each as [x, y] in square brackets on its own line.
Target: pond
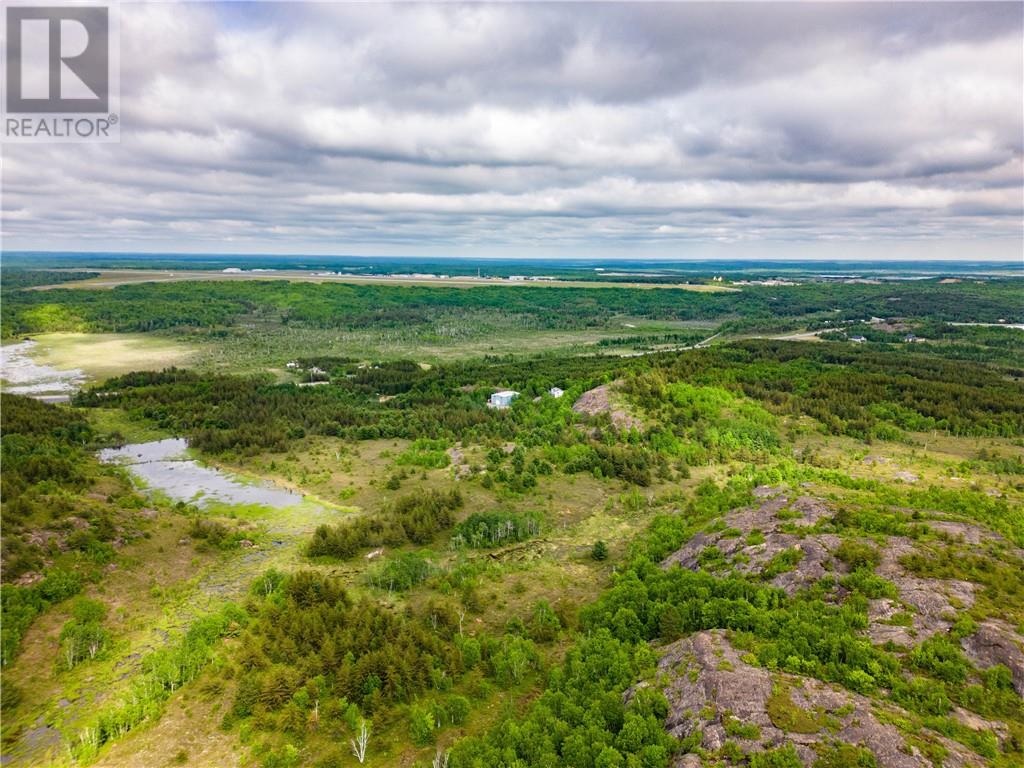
[164, 465]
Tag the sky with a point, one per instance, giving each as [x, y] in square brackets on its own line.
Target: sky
[665, 130]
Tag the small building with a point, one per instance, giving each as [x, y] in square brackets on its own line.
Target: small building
[556, 392]
[502, 399]
[292, 364]
[910, 338]
[857, 339]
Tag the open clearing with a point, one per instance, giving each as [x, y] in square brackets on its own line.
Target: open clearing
[102, 355]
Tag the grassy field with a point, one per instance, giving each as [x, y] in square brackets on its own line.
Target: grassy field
[102, 355]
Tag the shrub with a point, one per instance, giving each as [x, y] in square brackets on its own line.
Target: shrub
[781, 562]
[845, 756]
[780, 757]
[858, 554]
[922, 695]
[425, 453]
[941, 658]
[869, 584]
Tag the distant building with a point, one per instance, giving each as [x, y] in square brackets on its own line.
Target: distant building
[857, 339]
[910, 338]
[502, 399]
[292, 364]
[556, 392]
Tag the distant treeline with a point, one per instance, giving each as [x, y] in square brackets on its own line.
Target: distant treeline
[14, 279]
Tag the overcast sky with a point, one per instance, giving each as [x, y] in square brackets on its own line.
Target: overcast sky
[674, 130]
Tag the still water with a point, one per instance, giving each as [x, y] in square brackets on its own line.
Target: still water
[164, 466]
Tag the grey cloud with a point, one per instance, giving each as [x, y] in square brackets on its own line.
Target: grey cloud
[360, 127]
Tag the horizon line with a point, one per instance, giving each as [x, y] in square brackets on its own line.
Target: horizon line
[639, 258]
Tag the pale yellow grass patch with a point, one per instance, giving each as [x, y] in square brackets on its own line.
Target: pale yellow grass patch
[102, 355]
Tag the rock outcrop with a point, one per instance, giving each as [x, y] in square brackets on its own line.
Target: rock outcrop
[751, 556]
[598, 400]
[995, 643]
[713, 692]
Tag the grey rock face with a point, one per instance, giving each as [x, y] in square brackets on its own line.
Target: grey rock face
[995, 643]
[708, 686]
[816, 560]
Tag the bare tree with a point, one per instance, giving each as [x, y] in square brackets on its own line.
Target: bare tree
[359, 742]
[440, 760]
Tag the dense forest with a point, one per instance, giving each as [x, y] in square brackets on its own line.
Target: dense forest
[206, 305]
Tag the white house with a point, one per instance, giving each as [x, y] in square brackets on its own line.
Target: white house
[556, 392]
[502, 399]
[857, 339]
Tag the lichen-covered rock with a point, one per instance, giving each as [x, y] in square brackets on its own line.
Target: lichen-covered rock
[714, 693]
[995, 643]
[598, 400]
[751, 556]
[933, 603]
[974, 535]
